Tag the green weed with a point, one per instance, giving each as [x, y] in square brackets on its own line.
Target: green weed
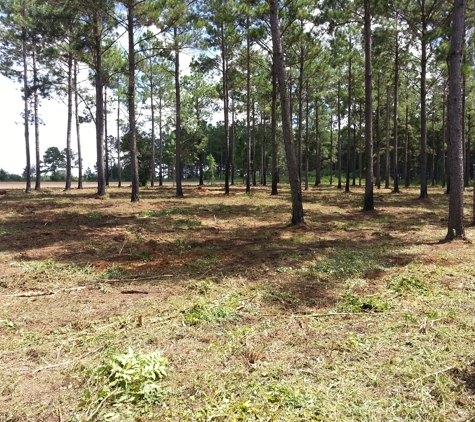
[208, 313]
[123, 381]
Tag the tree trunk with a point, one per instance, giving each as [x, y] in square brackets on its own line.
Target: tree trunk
[119, 164]
[292, 163]
[78, 124]
[131, 104]
[275, 144]
[378, 134]
[465, 148]
[224, 58]
[423, 156]
[369, 196]
[178, 172]
[152, 110]
[37, 123]
[307, 149]
[339, 133]
[318, 147]
[101, 185]
[444, 138]
[300, 111]
[348, 141]
[233, 142]
[263, 151]
[407, 162]
[395, 99]
[106, 141]
[455, 150]
[331, 149]
[387, 171]
[26, 110]
[70, 123]
[160, 140]
[248, 108]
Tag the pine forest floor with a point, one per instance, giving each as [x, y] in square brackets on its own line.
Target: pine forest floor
[354, 317]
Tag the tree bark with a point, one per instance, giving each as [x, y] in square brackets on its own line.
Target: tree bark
[348, 141]
[131, 104]
[423, 94]
[101, 185]
[37, 122]
[339, 133]
[248, 108]
[369, 195]
[318, 147]
[152, 111]
[119, 163]
[275, 144]
[387, 162]
[292, 163]
[455, 148]
[378, 133]
[395, 115]
[69, 124]
[78, 124]
[407, 161]
[178, 172]
[106, 141]
[224, 58]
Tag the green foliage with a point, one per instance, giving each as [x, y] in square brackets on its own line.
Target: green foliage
[8, 177]
[54, 163]
[124, 380]
[408, 283]
[353, 303]
[201, 312]
[210, 172]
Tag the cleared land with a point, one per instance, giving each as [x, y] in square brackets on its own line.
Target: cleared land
[355, 317]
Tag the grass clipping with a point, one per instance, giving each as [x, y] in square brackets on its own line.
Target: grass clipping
[123, 384]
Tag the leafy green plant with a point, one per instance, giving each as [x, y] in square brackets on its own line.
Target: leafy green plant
[210, 172]
[124, 380]
[200, 312]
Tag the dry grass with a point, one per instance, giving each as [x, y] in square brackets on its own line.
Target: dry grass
[355, 317]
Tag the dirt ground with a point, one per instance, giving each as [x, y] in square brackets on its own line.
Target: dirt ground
[81, 276]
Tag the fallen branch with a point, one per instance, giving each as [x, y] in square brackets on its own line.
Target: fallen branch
[135, 292]
[45, 293]
[98, 408]
[328, 314]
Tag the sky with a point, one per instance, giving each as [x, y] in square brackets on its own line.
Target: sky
[52, 133]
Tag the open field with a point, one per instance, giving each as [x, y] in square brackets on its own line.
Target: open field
[354, 317]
